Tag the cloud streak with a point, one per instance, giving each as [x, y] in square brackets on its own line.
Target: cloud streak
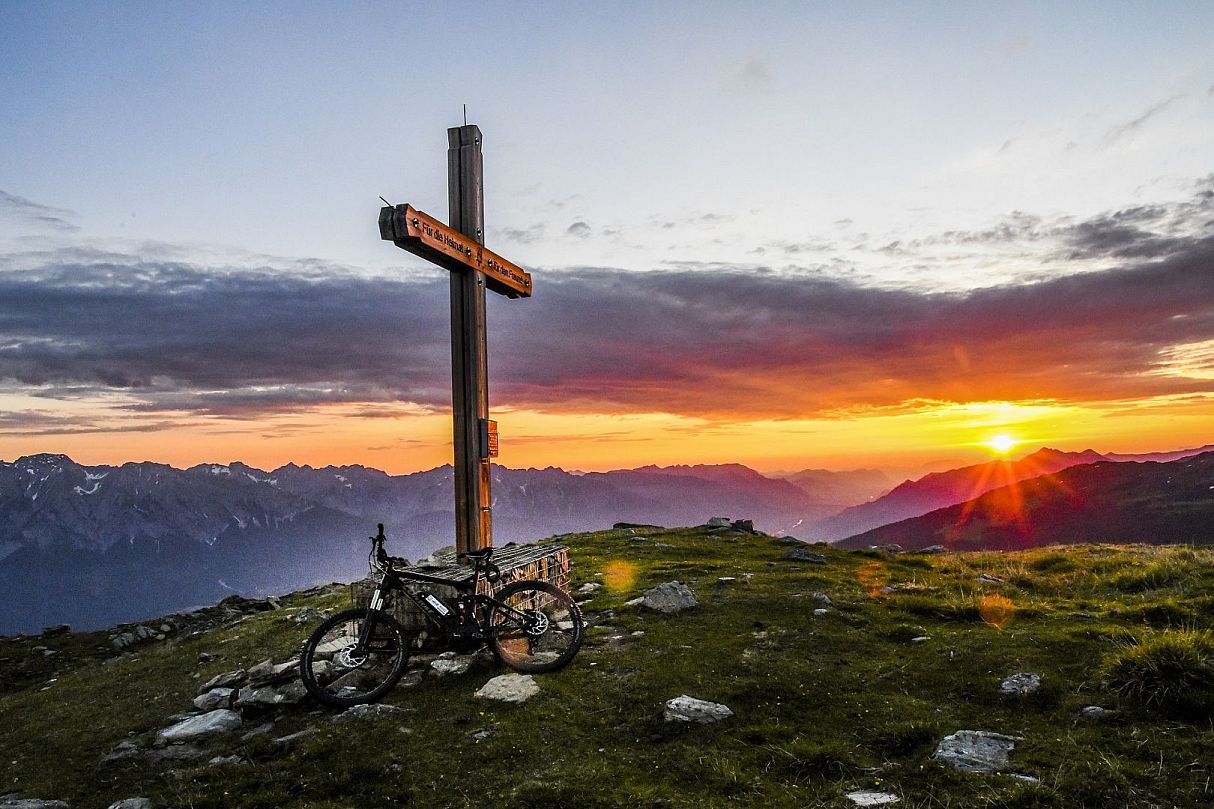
[178, 340]
[26, 213]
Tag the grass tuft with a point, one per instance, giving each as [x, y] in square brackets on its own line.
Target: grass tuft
[1172, 671]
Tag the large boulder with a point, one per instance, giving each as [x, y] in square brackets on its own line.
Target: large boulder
[673, 596]
[228, 679]
[196, 727]
[689, 709]
[510, 688]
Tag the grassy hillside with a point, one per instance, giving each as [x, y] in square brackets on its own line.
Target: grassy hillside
[823, 704]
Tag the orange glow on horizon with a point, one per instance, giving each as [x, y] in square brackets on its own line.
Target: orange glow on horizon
[401, 438]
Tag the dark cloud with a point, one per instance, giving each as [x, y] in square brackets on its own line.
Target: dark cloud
[30, 214]
[707, 340]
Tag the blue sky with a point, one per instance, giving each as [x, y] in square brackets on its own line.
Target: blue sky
[952, 156]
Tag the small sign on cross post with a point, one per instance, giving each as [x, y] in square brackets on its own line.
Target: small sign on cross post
[460, 248]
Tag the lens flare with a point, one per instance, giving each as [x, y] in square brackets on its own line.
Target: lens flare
[996, 610]
[619, 576]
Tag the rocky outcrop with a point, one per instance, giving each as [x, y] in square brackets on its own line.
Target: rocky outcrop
[689, 709]
[673, 596]
[202, 726]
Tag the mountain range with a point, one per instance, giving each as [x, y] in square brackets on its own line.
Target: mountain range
[96, 545]
[1115, 502]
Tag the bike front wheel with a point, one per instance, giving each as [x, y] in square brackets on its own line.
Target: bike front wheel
[355, 657]
[535, 628]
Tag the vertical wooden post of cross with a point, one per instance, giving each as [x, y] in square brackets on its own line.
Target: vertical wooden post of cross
[469, 362]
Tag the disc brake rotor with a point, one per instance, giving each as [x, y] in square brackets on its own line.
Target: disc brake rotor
[537, 623]
[350, 660]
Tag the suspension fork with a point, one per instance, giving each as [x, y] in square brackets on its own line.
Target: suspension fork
[368, 630]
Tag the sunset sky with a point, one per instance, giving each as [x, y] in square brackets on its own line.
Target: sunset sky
[787, 235]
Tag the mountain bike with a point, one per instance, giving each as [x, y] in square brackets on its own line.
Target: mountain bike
[359, 654]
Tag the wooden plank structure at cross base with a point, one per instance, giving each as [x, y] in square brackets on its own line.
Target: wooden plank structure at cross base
[460, 248]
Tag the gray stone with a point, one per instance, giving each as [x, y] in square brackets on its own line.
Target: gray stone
[270, 695]
[132, 803]
[725, 581]
[689, 709]
[267, 672]
[820, 611]
[229, 679]
[375, 711]
[673, 596]
[122, 750]
[868, 797]
[308, 615]
[33, 803]
[291, 737]
[203, 725]
[988, 579]
[976, 750]
[789, 541]
[892, 547]
[260, 730]
[802, 555]
[931, 549]
[510, 688]
[921, 639]
[718, 522]
[458, 664]
[1021, 684]
[821, 598]
[1096, 712]
[215, 698]
[175, 752]
[225, 761]
[589, 587]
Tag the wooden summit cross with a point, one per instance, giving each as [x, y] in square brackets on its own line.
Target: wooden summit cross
[460, 249]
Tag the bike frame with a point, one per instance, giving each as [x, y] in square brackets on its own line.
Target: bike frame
[392, 581]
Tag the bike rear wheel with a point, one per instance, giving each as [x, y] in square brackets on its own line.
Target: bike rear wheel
[536, 628]
[355, 657]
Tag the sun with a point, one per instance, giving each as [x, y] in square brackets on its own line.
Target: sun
[1002, 443]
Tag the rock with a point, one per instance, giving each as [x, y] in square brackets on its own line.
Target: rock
[1096, 712]
[267, 672]
[215, 698]
[868, 797]
[689, 709]
[375, 711]
[260, 730]
[892, 547]
[203, 725]
[481, 735]
[57, 629]
[123, 641]
[291, 737]
[976, 750]
[451, 665]
[229, 679]
[510, 688]
[165, 629]
[132, 803]
[635, 602]
[921, 639]
[931, 549]
[670, 597]
[820, 611]
[821, 598]
[270, 695]
[887, 590]
[308, 615]
[33, 803]
[718, 522]
[1021, 684]
[589, 587]
[205, 657]
[224, 761]
[121, 751]
[743, 525]
[789, 541]
[985, 579]
[802, 555]
[620, 526]
[725, 581]
[175, 752]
